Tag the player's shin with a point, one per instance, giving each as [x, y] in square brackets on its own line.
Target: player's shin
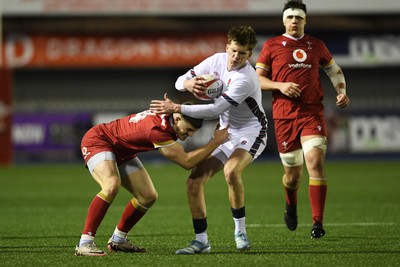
[317, 194]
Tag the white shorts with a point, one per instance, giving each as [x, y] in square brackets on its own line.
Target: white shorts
[248, 139]
[128, 167]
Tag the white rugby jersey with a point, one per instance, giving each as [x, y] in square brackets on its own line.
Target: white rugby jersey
[239, 106]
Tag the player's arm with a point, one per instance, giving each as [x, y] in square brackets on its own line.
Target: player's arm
[201, 111]
[289, 89]
[336, 75]
[188, 160]
[192, 81]
[194, 85]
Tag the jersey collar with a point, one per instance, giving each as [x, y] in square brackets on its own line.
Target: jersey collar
[291, 37]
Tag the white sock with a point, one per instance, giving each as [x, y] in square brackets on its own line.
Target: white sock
[119, 236]
[86, 239]
[202, 237]
[240, 225]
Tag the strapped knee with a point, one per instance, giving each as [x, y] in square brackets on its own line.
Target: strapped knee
[319, 142]
[293, 158]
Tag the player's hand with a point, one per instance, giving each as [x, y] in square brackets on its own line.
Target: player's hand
[163, 106]
[221, 135]
[342, 100]
[195, 85]
[289, 89]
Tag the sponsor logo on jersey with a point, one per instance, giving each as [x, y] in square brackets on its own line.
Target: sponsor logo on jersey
[300, 56]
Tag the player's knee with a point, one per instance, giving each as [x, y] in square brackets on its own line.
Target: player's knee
[149, 199]
[291, 181]
[319, 142]
[232, 175]
[194, 185]
[111, 186]
[293, 158]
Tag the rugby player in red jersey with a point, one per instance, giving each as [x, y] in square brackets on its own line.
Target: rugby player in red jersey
[288, 65]
[110, 153]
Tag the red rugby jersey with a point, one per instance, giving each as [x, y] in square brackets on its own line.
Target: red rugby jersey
[139, 132]
[289, 60]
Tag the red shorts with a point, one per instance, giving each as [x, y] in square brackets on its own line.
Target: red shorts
[94, 142]
[289, 131]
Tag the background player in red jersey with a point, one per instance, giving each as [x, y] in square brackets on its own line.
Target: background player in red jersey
[110, 153]
[288, 65]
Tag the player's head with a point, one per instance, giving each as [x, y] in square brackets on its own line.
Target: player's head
[294, 17]
[241, 42]
[186, 126]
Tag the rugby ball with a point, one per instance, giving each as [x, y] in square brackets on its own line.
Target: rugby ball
[214, 87]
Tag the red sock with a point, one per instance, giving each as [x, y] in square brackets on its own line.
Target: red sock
[291, 196]
[317, 192]
[97, 210]
[132, 214]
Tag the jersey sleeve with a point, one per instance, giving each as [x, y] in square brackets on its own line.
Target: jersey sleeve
[206, 111]
[326, 56]
[179, 82]
[202, 68]
[160, 138]
[263, 58]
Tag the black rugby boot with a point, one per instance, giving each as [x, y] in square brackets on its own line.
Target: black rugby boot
[290, 217]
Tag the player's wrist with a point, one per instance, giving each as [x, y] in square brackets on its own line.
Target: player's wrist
[177, 108]
[341, 91]
[216, 142]
[277, 86]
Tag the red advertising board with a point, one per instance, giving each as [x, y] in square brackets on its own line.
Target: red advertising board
[21, 50]
[5, 116]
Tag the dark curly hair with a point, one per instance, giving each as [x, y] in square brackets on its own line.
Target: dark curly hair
[243, 35]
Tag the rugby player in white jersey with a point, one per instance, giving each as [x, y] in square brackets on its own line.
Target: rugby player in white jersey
[239, 108]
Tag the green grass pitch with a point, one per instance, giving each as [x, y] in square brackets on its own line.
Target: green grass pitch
[42, 211]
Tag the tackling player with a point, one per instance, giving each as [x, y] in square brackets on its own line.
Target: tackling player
[110, 153]
[240, 106]
[288, 65]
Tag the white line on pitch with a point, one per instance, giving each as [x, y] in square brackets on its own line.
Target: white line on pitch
[327, 224]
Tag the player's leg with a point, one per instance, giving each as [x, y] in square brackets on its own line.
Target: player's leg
[244, 147]
[293, 166]
[105, 172]
[197, 204]
[233, 170]
[314, 152]
[291, 154]
[137, 181]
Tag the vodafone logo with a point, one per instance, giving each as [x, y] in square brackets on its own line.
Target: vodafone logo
[299, 55]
